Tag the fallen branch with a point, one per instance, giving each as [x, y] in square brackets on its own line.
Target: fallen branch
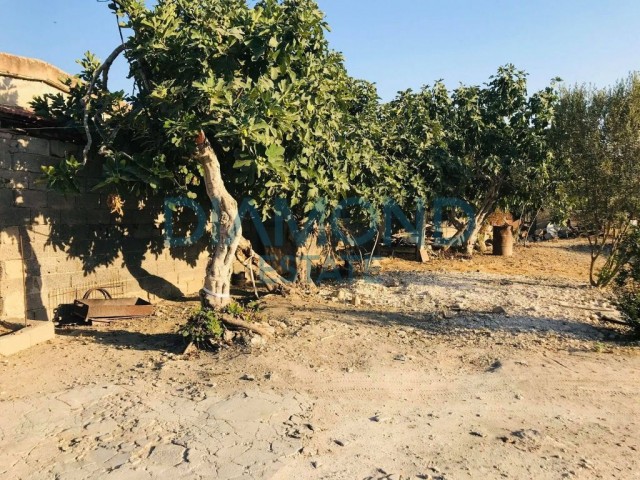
[272, 279]
[234, 322]
[605, 319]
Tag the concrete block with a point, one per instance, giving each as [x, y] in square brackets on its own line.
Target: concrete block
[40, 314]
[89, 201]
[38, 235]
[100, 216]
[37, 182]
[14, 217]
[9, 252]
[74, 217]
[64, 149]
[13, 303]
[35, 333]
[12, 269]
[36, 146]
[9, 235]
[71, 267]
[12, 287]
[30, 199]
[32, 162]
[5, 159]
[6, 198]
[54, 281]
[161, 267]
[45, 216]
[61, 202]
[21, 180]
[46, 264]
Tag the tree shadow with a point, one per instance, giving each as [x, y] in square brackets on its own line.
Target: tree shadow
[8, 92]
[134, 238]
[578, 248]
[100, 242]
[479, 322]
[120, 338]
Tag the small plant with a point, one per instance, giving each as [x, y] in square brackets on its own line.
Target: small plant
[599, 347]
[235, 309]
[627, 280]
[205, 326]
[202, 327]
[247, 313]
[628, 302]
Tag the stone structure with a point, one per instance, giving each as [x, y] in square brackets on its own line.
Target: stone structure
[23, 78]
[55, 247]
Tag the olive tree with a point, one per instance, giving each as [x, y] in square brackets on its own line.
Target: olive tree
[597, 137]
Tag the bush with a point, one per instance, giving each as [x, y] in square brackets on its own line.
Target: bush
[627, 279]
[628, 302]
[202, 327]
[205, 326]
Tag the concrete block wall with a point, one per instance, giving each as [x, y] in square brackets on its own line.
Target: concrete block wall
[55, 247]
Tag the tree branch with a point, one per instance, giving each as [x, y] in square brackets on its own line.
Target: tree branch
[102, 69]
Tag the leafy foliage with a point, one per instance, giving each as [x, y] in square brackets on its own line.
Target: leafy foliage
[287, 121]
[487, 145]
[627, 279]
[202, 326]
[262, 82]
[206, 325]
[596, 138]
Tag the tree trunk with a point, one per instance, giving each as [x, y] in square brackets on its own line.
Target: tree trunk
[487, 207]
[592, 277]
[304, 261]
[482, 239]
[217, 281]
[473, 238]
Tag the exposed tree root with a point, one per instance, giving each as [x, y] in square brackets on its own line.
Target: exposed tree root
[234, 322]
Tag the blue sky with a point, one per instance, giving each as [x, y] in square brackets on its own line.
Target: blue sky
[396, 43]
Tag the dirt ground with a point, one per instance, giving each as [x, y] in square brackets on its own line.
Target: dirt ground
[481, 369]
[564, 259]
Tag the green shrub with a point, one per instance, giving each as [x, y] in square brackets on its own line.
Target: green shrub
[628, 302]
[248, 313]
[203, 326]
[627, 280]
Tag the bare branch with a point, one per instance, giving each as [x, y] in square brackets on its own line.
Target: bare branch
[87, 98]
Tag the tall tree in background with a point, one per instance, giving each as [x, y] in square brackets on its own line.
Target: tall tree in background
[597, 136]
[486, 145]
[500, 142]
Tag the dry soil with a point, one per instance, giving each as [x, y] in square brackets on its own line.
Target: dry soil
[482, 369]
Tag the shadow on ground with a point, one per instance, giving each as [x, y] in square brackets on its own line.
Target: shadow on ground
[161, 342]
[480, 323]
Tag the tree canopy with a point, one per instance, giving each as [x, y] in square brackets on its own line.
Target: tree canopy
[486, 145]
[598, 145]
[235, 100]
